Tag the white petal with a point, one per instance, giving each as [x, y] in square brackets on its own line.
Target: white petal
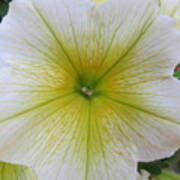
[44, 123]
[91, 43]
[143, 82]
[65, 139]
[38, 33]
[171, 8]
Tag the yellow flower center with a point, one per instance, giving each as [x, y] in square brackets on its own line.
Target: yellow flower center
[88, 86]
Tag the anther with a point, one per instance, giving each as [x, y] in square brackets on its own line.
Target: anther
[87, 91]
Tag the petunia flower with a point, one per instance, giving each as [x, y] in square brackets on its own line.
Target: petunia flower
[87, 89]
[171, 8]
[16, 172]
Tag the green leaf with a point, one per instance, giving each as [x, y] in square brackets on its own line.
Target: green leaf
[3, 8]
[16, 172]
[152, 167]
[177, 74]
[166, 176]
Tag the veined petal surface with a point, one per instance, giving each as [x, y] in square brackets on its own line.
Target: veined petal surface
[171, 8]
[86, 89]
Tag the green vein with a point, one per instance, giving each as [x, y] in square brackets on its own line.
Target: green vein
[74, 36]
[56, 38]
[134, 44]
[88, 142]
[131, 127]
[35, 107]
[140, 109]
[74, 132]
[159, 3]
[102, 147]
[110, 45]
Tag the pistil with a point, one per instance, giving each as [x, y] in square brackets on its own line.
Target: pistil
[86, 91]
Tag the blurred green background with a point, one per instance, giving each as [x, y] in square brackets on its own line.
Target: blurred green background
[171, 164]
[4, 6]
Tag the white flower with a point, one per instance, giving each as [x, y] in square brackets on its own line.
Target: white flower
[87, 90]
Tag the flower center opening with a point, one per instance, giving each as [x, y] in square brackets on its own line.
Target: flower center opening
[87, 87]
[86, 92]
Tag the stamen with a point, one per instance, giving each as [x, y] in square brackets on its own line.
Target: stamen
[87, 91]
